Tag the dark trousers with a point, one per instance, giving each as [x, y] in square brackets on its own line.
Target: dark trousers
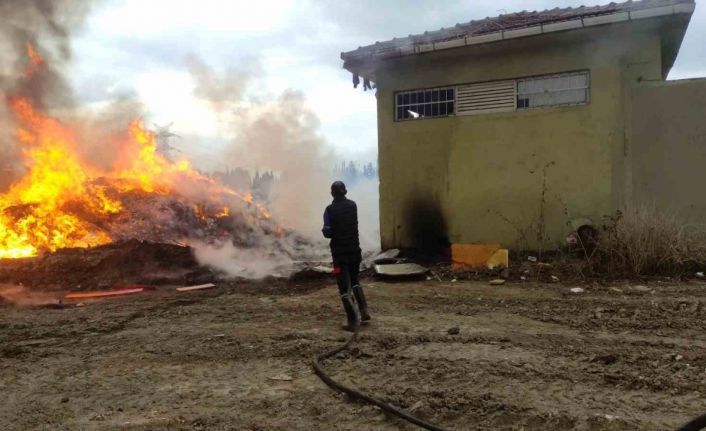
[346, 276]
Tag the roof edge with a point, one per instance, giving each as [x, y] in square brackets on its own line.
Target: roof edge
[353, 58]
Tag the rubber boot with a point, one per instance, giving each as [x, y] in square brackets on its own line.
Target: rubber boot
[351, 316]
[362, 303]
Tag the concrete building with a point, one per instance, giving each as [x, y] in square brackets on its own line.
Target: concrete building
[509, 129]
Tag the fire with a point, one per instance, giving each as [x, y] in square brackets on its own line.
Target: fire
[63, 201]
[35, 60]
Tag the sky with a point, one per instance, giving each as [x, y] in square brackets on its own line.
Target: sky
[138, 49]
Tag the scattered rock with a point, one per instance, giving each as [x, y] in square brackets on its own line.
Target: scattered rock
[454, 331]
[531, 258]
[641, 289]
[282, 378]
[65, 400]
[673, 357]
[608, 359]
[416, 406]
[554, 279]
[497, 282]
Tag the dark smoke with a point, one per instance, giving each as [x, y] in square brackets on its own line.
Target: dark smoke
[47, 26]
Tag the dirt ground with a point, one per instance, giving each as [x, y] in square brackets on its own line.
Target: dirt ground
[528, 357]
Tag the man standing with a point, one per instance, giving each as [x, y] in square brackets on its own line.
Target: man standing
[341, 226]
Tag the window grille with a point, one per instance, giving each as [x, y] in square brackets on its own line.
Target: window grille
[429, 103]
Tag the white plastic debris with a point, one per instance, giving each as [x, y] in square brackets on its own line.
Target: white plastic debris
[532, 258]
[700, 274]
[555, 279]
[577, 290]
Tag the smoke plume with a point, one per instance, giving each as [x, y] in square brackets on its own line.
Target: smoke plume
[38, 31]
[280, 135]
[35, 38]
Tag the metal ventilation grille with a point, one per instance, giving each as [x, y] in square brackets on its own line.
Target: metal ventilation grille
[488, 97]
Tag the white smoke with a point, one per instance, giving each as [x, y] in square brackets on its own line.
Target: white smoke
[365, 193]
[244, 263]
[280, 135]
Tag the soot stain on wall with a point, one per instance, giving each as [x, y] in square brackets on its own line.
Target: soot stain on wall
[427, 226]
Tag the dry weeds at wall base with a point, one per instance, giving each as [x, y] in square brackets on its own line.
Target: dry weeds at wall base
[641, 241]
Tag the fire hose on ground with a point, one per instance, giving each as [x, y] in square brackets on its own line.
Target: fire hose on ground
[695, 425]
[389, 408]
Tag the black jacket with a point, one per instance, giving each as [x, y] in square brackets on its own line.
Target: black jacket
[341, 225]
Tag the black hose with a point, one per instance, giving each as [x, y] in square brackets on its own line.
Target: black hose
[697, 424]
[361, 396]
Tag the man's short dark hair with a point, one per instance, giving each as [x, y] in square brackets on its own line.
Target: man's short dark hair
[338, 189]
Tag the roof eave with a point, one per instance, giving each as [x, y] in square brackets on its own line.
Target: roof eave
[364, 64]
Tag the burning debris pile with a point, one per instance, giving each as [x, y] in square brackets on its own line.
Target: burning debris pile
[66, 201]
[81, 185]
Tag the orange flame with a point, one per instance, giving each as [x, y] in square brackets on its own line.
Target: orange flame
[50, 207]
[36, 61]
[62, 200]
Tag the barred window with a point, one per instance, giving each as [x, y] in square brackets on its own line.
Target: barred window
[554, 90]
[510, 95]
[427, 103]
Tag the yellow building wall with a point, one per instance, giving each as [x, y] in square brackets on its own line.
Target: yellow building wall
[669, 147]
[476, 179]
